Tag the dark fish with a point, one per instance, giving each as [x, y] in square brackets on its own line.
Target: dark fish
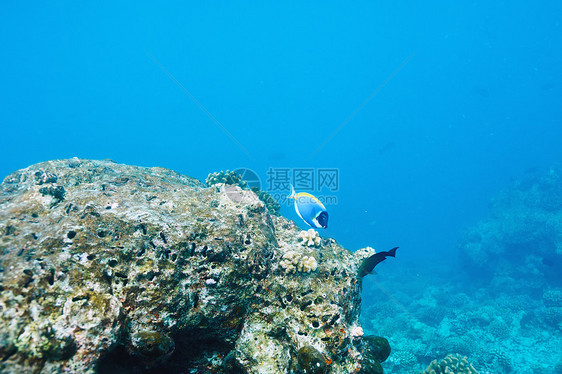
[369, 263]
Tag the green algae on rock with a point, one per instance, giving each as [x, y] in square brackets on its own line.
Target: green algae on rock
[146, 270]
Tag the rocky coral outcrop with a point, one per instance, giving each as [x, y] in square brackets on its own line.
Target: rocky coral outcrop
[522, 237]
[114, 268]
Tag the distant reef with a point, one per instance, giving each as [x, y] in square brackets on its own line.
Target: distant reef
[110, 268]
[522, 237]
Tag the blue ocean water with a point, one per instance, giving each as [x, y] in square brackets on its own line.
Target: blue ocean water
[412, 115]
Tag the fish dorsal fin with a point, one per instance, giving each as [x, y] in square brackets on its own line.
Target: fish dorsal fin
[292, 195]
[313, 198]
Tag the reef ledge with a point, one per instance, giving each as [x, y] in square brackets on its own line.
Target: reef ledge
[110, 268]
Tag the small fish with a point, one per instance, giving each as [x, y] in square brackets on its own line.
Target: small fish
[369, 263]
[310, 209]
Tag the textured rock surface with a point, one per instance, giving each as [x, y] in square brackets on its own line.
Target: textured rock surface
[113, 268]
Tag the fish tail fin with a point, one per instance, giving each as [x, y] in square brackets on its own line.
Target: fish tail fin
[292, 195]
[392, 252]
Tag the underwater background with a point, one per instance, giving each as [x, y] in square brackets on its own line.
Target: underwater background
[435, 127]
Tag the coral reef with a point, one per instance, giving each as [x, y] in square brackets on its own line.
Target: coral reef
[293, 261]
[498, 331]
[377, 350]
[552, 298]
[402, 361]
[270, 203]
[311, 361]
[453, 363]
[501, 308]
[365, 252]
[116, 268]
[310, 238]
[231, 178]
[225, 177]
[553, 316]
[523, 235]
[558, 367]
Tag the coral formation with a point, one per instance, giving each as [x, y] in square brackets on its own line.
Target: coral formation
[498, 331]
[270, 203]
[501, 361]
[228, 177]
[136, 270]
[453, 363]
[365, 252]
[231, 178]
[376, 350]
[310, 238]
[402, 361]
[523, 234]
[293, 261]
[356, 332]
[378, 347]
[552, 298]
[151, 345]
[311, 361]
[553, 316]
[502, 308]
[558, 367]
